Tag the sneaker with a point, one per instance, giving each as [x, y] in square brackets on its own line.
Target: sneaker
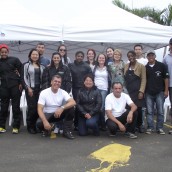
[15, 131]
[2, 130]
[131, 135]
[161, 131]
[170, 131]
[56, 130]
[149, 131]
[68, 135]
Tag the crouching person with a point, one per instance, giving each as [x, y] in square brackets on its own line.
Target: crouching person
[118, 117]
[51, 108]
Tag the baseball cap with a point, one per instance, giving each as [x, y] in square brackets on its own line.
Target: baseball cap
[150, 52]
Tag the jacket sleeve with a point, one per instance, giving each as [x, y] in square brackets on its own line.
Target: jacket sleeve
[45, 78]
[24, 76]
[98, 103]
[67, 80]
[80, 108]
[143, 79]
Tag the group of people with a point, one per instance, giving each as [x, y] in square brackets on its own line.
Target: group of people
[102, 93]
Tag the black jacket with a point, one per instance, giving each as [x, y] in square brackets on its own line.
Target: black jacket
[89, 101]
[78, 71]
[10, 71]
[63, 71]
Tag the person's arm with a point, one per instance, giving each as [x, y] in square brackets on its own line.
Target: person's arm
[41, 114]
[67, 79]
[143, 82]
[70, 103]
[111, 117]
[166, 80]
[45, 78]
[130, 114]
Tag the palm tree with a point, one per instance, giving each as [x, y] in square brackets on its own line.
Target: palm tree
[167, 15]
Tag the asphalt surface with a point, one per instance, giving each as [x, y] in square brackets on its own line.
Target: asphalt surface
[33, 153]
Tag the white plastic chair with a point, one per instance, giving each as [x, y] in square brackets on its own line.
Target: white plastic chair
[167, 107]
[23, 107]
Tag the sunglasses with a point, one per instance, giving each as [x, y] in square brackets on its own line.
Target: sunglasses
[62, 50]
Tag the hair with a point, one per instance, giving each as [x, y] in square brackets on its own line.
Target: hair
[132, 52]
[79, 52]
[97, 63]
[30, 53]
[52, 63]
[65, 55]
[109, 48]
[40, 43]
[91, 76]
[56, 76]
[116, 82]
[138, 45]
[93, 53]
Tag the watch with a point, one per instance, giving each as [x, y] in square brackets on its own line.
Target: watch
[62, 107]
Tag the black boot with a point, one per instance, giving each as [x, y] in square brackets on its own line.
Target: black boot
[67, 130]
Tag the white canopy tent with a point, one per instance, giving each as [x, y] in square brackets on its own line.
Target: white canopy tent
[95, 24]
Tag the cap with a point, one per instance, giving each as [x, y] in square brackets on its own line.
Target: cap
[4, 46]
[150, 52]
[170, 41]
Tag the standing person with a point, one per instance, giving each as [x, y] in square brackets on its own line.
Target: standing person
[42, 60]
[109, 54]
[118, 117]
[168, 61]
[102, 82]
[32, 79]
[116, 69]
[138, 49]
[156, 92]
[91, 55]
[10, 88]
[135, 78]
[52, 109]
[57, 68]
[78, 70]
[89, 102]
[62, 49]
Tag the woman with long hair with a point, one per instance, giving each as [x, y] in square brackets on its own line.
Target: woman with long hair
[91, 55]
[31, 79]
[109, 54]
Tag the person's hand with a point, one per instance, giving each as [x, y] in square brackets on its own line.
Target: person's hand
[130, 117]
[165, 94]
[30, 92]
[87, 115]
[47, 125]
[20, 87]
[140, 95]
[122, 127]
[58, 112]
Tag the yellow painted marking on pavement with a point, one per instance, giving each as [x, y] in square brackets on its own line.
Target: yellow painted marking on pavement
[115, 155]
[169, 126]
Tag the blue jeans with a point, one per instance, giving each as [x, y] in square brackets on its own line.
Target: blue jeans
[102, 114]
[85, 124]
[150, 102]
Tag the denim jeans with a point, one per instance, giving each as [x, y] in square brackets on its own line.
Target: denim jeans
[151, 100]
[85, 124]
[102, 114]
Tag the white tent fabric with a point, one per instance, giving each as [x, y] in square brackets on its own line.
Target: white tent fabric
[95, 24]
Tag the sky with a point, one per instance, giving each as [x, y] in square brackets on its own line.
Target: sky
[157, 4]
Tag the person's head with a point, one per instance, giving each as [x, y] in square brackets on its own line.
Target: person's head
[101, 59]
[62, 49]
[56, 59]
[151, 56]
[41, 48]
[131, 56]
[34, 55]
[79, 56]
[109, 52]
[91, 55]
[88, 81]
[117, 89]
[56, 81]
[4, 51]
[117, 55]
[170, 45]
[138, 50]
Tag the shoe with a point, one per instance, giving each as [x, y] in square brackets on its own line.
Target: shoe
[170, 131]
[149, 131]
[68, 135]
[131, 135]
[15, 131]
[103, 128]
[161, 131]
[32, 130]
[75, 128]
[141, 129]
[2, 130]
[45, 133]
[56, 130]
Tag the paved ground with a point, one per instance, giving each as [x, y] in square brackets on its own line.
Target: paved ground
[33, 153]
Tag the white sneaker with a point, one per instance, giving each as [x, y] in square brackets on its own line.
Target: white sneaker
[56, 130]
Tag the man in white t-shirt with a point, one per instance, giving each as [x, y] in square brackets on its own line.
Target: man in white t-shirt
[51, 108]
[117, 116]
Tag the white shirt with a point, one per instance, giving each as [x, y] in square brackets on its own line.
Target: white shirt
[117, 105]
[143, 61]
[52, 101]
